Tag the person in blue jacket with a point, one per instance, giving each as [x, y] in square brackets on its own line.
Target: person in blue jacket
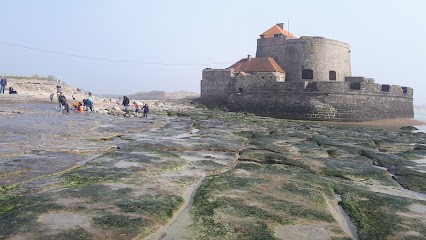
[3, 83]
[88, 103]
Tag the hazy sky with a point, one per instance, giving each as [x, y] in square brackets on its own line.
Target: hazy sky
[387, 38]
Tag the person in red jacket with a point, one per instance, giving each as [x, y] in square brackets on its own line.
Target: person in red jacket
[145, 110]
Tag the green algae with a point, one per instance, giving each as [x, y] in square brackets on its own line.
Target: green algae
[121, 223]
[411, 179]
[19, 213]
[160, 207]
[74, 233]
[212, 208]
[90, 176]
[372, 213]
[286, 171]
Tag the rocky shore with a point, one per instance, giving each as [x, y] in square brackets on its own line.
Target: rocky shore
[187, 172]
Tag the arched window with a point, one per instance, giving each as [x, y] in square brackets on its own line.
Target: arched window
[307, 74]
[332, 75]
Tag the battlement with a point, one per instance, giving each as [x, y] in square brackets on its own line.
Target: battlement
[262, 42]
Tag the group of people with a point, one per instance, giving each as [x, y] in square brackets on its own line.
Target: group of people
[126, 102]
[3, 84]
[78, 106]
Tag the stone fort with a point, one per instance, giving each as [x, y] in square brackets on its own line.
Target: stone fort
[307, 78]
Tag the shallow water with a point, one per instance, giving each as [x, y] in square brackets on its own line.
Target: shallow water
[178, 227]
[43, 140]
[349, 227]
[385, 169]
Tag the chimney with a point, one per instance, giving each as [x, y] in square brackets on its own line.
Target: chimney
[249, 57]
[281, 25]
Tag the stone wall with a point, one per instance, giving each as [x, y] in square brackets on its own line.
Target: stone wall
[216, 85]
[316, 53]
[355, 99]
[334, 101]
[266, 81]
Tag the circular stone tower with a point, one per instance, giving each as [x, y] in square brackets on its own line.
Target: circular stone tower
[307, 58]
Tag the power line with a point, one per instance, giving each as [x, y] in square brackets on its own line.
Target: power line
[108, 59]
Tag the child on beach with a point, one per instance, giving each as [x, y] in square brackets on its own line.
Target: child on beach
[77, 106]
[137, 109]
[145, 110]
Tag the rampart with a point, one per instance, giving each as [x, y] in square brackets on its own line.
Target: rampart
[355, 99]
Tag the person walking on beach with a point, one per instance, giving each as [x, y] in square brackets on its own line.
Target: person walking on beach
[136, 109]
[126, 102]
[51, 97]
[145, 110]
[3, 83]
[62, 100]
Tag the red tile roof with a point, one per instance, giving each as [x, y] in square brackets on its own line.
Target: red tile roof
[257, 65]
[276, 30]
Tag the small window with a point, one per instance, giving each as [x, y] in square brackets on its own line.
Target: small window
[404, 90]
[332, 75]
[307, 74]
[355, 86]
[385, 88]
